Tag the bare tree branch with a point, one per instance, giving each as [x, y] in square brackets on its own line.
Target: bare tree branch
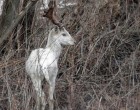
[17, 20]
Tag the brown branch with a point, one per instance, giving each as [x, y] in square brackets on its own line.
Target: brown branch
[17, 20]
[51, 13]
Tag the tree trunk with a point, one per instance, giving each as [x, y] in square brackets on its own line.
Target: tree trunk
[10, 17]
[10, 11]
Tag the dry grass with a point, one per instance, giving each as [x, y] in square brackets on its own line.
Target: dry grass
[101, 72]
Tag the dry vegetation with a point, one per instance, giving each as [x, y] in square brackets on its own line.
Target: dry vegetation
[101, 72]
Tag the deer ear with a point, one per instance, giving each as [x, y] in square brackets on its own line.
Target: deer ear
[61, 28]
[56, 29]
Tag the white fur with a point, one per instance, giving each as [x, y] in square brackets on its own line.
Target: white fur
[42, 62]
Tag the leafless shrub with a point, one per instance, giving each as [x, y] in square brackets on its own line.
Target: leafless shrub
[102, 72]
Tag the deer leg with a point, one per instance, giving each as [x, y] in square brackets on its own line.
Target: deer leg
[51, 93]
[40, 94]
[50, 76]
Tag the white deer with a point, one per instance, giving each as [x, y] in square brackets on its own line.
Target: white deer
[43, 62]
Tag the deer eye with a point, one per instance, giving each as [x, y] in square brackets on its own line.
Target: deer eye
[64, 34]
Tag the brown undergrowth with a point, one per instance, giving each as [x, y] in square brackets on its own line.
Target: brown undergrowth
[101, 72]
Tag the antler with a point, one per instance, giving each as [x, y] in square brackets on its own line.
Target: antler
[51, 13]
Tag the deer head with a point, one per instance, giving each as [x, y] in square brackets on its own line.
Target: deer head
[51, 14]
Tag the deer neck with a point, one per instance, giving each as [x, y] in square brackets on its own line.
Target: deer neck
[54, 45]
